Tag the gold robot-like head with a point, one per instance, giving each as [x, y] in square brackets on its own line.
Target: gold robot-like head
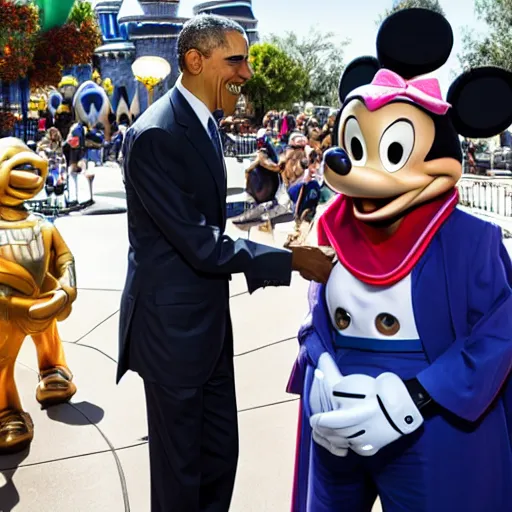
[22, 172]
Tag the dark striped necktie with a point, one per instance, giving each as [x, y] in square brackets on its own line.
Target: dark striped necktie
[214, 135]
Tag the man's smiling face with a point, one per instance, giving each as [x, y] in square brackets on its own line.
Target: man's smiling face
[225, 71]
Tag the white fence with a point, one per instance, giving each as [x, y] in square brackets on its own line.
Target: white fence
[488, 194]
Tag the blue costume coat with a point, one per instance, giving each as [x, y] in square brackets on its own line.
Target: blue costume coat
[462, 301]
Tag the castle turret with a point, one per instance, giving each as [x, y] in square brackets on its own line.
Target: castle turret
[138, 28]
[153, 28]
[115, 56]
[240, 11]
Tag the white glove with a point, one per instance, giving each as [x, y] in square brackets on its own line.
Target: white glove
[321, 399]
[369, 414]
[327, 375]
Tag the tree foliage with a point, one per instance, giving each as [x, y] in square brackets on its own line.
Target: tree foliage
[322, 58]
[64, 46]
[433, 5]
[81, 12]
[278, 81]
[495, 47]
[19, 30]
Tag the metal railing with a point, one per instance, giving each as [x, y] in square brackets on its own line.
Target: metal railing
[493, 195]
[26, 131]
[238, 145]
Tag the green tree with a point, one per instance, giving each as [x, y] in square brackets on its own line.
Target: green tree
[81, 12]
[322, 58]
[278, 79]
[433, 5]
[495, 48]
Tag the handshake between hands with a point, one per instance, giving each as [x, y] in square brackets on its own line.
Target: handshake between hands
[313, 263]
[359, 412]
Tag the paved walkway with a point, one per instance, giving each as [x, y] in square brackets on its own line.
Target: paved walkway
[91, 455]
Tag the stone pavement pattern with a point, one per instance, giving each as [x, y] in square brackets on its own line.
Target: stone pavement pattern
[91, 455]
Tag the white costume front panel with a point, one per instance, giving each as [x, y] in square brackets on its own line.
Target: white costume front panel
[364, 303]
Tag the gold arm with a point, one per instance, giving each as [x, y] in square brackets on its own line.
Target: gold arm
[64, 265]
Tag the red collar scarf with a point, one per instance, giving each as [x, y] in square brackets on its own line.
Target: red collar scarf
[382, 262]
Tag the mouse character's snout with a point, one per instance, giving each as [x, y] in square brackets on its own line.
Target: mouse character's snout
[338, 161]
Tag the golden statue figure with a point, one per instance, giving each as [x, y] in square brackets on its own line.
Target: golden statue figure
[37, 289]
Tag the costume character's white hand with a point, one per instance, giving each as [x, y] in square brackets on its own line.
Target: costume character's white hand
[326, 376]
[321, 399]
[369, 414]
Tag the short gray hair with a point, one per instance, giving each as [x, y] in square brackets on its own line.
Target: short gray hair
[205, 33]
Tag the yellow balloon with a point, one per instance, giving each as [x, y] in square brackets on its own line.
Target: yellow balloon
[68, 80]
[149, 81]
[108, 86]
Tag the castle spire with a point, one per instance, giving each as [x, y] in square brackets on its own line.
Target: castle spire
[238, 10]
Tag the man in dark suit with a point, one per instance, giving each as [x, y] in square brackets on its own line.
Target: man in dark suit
[175, 327]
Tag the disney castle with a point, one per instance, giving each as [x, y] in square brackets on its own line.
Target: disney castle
[137, 28]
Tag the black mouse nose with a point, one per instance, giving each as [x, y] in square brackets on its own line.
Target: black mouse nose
[338, 161]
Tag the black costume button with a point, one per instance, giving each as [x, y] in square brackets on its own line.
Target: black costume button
[408, 420]
[387, 324]
[342, 318]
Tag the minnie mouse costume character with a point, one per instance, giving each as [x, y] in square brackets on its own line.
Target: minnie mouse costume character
[405, 357]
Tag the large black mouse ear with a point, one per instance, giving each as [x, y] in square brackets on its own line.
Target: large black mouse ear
[358, 72]
[481, 101]
[414, 42]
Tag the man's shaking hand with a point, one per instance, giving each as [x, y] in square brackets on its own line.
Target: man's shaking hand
[313, 263]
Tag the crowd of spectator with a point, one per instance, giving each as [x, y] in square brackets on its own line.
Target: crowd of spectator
[286, 173]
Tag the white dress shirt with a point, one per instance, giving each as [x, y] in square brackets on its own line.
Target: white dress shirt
[200, 109]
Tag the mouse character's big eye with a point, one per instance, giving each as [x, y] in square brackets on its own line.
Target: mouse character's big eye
[354, 142]
[396, 145]
[341, 318]
[387, 324]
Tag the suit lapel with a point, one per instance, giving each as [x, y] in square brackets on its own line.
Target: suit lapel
[201, 141]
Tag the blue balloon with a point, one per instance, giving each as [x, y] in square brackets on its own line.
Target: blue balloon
[91, 103]
[54, 102]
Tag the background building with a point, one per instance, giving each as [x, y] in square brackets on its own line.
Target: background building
[114, 58]
[240, 11]
[136, 28]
